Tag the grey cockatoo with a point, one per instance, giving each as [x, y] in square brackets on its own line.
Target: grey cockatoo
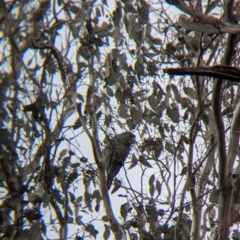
[116, 152]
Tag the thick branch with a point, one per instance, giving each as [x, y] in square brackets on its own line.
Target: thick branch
[225, 186]
[207, 28]
[217, 24]
[218, 71]
[234, 139]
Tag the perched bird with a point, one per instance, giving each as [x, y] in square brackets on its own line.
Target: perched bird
[116, 152]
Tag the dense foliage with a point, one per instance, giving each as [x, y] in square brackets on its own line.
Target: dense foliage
[76, 73]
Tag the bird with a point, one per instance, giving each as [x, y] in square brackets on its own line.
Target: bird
[116, 153]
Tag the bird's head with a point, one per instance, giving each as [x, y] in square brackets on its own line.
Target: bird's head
[128, 137]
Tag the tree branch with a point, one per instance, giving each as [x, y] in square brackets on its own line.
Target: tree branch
[234, 139]
[225, 198]
[217, 71]
[101, 171]
[217, 24]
